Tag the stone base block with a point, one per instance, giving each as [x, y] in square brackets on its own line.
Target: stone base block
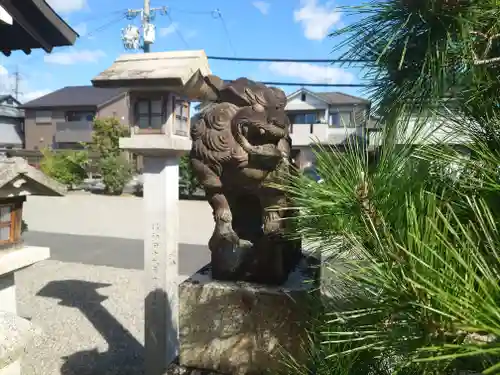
[242, 328]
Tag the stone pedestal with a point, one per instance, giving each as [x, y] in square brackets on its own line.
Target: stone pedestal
[242, 328]
[15, 332]
[161, 155]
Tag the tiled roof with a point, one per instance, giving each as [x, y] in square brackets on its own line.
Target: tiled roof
[35, 25]
[340, 98]
[75, 96]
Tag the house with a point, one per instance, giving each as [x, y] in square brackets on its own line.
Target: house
[330, 118]
[11, 123]
[63, 118]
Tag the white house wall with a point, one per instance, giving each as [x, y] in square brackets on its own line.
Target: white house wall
[425, 131]
[295, 103]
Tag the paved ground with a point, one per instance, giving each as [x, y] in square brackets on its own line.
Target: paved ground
[89, 298]
[113, 252]
[92, 319]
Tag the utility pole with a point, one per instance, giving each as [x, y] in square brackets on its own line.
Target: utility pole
[145, 24]
[17, 83]
[131, 34]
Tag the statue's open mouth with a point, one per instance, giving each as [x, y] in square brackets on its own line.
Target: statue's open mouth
[262, 133]
[260, 140]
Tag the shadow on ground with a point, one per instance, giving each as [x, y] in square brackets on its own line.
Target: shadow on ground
[125, 355]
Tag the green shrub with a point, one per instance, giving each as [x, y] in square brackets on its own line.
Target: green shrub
[116, 171]
[188, 183]
[67, 167]
[114, 168]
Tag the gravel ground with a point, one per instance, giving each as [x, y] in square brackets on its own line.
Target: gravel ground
[91, 317]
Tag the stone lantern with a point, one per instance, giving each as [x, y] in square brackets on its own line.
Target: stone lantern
[164, 82]
[18, 180]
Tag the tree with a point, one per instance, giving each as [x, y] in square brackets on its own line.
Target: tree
[106, 136]
[188, 182]
[419, 54]
[115, 169]
[413, 244]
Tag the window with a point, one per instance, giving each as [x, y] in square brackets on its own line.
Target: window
[311, 118]
[149, 114]
[346, 119]
[181, 117]
[80, 116]
[303, 97]
[335, 119]
[306, 118]
[69, 146]
[10, 223]
[43, 117]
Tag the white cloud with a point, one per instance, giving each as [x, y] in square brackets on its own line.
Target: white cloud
[310, 73]
[174, 28]
[30, 95]
[74, 56]
[81, 29]
[262, 6]
[316, 20]
[164, 31]
[26, 92]
[191, 34]
[67, 6]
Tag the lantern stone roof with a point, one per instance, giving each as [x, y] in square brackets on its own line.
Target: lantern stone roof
[18, 178]
[173, 71]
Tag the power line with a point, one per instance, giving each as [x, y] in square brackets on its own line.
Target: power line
[268, 59]
[199, 12]
[218, 14]
[304, 84]
[177, 31]
[103, 15]
[105, 26]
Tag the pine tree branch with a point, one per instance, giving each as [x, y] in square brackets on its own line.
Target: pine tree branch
[484, 60]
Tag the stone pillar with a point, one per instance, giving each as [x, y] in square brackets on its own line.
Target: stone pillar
[161, 156]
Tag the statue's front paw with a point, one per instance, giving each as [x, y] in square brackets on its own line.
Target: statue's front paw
[244, 244]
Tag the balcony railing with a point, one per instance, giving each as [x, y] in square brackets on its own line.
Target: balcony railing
[73, 131]
[306, 134]
[10, 111]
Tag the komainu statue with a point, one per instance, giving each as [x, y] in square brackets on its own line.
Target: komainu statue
[241, 143]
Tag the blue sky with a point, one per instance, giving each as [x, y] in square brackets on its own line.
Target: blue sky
[255, 28]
